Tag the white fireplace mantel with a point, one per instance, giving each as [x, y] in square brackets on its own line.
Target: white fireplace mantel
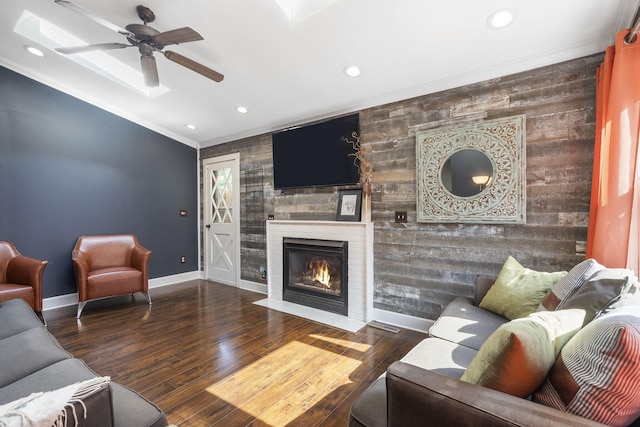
[359, 236]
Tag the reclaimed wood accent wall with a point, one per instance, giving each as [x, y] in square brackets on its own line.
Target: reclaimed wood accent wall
[419, 268]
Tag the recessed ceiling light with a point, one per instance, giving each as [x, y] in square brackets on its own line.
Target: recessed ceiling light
[352, 71]
[242, 110]
[33, 50]
[501, 19]
[191, 126]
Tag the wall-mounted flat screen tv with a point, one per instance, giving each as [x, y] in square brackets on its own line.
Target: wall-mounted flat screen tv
[315, 155]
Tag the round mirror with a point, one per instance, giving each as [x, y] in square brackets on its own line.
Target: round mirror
[466, 173]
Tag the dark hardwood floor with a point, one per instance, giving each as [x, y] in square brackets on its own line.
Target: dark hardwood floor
[206, 355]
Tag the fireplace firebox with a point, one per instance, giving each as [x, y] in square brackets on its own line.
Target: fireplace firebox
[315, 274]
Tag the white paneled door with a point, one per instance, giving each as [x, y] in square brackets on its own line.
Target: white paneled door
[222, 219]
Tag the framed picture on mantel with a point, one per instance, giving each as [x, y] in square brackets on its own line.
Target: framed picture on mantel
[349, 205]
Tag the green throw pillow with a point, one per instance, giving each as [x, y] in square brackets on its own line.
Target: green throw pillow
[518, 291]
[517, 357]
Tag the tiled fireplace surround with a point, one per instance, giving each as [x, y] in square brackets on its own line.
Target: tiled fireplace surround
[359, 235]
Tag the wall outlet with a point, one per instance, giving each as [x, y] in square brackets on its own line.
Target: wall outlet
[183, 259]
[401, 217]
[263, 272]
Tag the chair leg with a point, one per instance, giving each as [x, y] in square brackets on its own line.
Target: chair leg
[81, 305]
[148, 297]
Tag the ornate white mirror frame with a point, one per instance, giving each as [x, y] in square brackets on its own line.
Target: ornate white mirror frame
[499, 200]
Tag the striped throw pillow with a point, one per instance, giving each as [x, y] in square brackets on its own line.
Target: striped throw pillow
[597, 373]
[568, 285]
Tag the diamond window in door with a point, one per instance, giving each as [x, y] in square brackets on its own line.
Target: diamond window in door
[221, 196]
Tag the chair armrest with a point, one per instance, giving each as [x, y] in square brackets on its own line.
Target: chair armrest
[81, 266]
[418, 397]
[80, 261]
[140, 257]
[482, 286]
[23, 270]
[140, 261]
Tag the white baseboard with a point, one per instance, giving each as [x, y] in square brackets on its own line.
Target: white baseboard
[382, 316]
[402, 320]
[60, 301]
[72, 299]
[248, 285]
[175, 278]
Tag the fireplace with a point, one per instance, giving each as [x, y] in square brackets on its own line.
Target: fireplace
[315, 274]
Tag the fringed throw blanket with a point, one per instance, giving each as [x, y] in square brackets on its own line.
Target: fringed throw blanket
[50, 408]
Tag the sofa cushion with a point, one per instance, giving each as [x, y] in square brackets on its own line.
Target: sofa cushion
[370, 409]
[129, 408]
[569, 284]
[17, 316]
[464, 323]
[52, 377]
[113, 281]
[518, 355]
[603, 288]
[518, 291]
[433, 354]
[28, 352]
[440, 356]
[596, 374]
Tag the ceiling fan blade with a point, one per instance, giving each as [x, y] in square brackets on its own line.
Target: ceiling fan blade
[91, 47]
[177, 36]
[149, 71]
[194, 66]
[95, 18]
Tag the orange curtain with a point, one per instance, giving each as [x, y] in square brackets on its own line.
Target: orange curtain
[615, 198]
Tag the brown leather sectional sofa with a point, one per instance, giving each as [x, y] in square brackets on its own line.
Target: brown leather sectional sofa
[424, 387]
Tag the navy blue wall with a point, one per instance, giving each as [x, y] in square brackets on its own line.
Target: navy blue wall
[68, 169]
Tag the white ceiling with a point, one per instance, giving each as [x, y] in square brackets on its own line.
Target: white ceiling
[288, 74]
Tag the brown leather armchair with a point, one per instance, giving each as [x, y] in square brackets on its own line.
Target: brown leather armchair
[110, 265]
[20, 276]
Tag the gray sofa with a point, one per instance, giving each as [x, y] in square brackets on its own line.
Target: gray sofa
[424, 387]
[33, 361]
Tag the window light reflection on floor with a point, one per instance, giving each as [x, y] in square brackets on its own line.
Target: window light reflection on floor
[46, 34]
[276, 394]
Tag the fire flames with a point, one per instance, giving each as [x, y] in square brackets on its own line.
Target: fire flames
[320, 271]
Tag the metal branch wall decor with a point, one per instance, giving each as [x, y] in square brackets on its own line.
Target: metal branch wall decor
[473, 173]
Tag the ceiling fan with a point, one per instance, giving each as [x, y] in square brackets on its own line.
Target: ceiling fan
[148, 40]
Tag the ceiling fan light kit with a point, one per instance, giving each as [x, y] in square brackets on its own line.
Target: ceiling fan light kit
[148, 40]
